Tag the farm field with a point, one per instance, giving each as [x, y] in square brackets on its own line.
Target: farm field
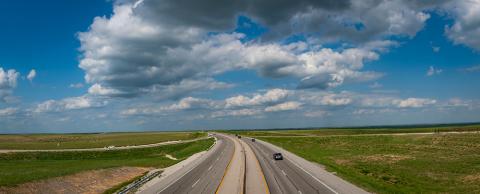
[414, 163]
[357, 131]
[21, 167]
[94, 140]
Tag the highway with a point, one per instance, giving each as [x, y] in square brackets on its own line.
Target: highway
[202, 178]
[283, 176]
[238, 165]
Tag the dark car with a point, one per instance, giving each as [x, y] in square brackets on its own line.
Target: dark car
[239, 137]
[277, 156]
[253, 140]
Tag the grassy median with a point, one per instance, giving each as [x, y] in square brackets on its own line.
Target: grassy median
[16, 168]
[93, 140]
[438, 163]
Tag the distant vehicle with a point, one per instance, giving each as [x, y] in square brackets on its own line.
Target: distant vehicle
[239, 137]
[277, 156]
[253, 140]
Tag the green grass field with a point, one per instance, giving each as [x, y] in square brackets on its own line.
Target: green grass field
[68, 141]
[438, 163]
[16, 168]
[355, 131]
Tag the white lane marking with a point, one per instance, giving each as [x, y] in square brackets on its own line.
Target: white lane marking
[321, 182]
[195, 183]
[284, 173]
[213, 143]
[210, 167]
[171, 183]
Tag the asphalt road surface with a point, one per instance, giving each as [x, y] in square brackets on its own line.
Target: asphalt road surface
[283, 176]
[238, 165]
[206, 177]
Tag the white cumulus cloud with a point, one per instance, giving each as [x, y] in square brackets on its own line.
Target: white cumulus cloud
[466, 26]
[72, 103]
[8, 111]
[433, 71]
[31, 75]
[284, 106]
[8, 81]
[414, 102]
[271, 96]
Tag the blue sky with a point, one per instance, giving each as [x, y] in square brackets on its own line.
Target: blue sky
[160, 65]
[42, 36]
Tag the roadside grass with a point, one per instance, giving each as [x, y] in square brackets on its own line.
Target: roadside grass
[69, 141]
[354, 131]
[20, 167]
[252, 133]
[438, 163]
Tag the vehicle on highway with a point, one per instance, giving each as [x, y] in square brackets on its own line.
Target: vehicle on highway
[277, 156]
[253, 140]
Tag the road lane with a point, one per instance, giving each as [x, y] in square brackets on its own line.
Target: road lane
[255, 179]
[202, 178]
[283, 176]
[236, 166]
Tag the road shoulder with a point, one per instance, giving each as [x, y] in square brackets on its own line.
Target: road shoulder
[233, 180]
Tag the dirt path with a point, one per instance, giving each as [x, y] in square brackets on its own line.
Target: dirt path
[94, 181]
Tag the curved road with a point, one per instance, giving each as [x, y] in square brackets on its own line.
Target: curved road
[238, 165]
[203, 177]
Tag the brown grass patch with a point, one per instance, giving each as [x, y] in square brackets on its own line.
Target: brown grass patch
[472, 178]
[342, 162]
[94, 181]
[385, 158]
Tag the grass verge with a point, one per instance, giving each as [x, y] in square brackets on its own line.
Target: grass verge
[16, 168]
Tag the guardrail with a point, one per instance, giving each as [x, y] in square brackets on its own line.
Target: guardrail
[139, 182]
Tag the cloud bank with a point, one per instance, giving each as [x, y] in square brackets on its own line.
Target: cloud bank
[158, 59]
